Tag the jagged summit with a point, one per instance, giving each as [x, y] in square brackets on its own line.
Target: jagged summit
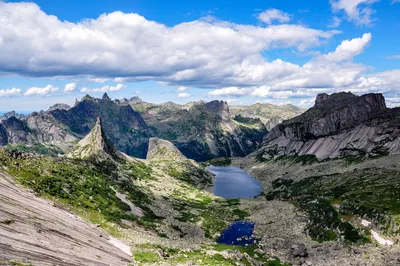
[160, 149]
[96, 146]
[106, 97]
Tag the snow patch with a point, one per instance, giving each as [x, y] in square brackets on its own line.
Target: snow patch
[365, 222]
[380, 239]
[117, 243]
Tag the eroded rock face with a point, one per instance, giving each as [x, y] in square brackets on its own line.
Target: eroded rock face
[124, 127]
[48, 130]
[18, 131]
[339, 124]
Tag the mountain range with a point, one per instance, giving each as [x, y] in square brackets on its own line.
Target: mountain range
[123, 182]
[200, 130]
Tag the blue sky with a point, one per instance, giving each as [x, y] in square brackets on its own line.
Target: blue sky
[266, 51]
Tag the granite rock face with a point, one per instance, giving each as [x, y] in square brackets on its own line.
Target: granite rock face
[125, 128]
[18, 131]
[340, 124]
[96, 146]
[47, 129]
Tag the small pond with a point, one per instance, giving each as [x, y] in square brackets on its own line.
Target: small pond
[238, 233]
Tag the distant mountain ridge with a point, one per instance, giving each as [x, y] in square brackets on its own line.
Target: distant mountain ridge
[340, 124]
[201, 130]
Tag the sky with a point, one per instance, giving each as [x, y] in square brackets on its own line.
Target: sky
[242, 52]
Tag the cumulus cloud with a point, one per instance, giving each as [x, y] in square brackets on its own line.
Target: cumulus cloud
[70, 87]
[326, 73]
[348, 49]
[357, 11]
[183, 95]
[271, 15]
[41, 91]
[106, 88]
[128, 47]
[10, 92]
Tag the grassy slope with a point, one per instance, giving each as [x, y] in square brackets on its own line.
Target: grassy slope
[171, 203]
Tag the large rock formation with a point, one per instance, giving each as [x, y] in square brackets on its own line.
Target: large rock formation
[18, 131]
[338, 125]
[124, 127]
[48, 130]
[170, 160]
[96, 146]
[201, 130]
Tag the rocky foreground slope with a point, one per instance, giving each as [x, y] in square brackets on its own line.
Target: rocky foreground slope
[339, 125]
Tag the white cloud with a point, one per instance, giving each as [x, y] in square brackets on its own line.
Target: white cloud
[271, 15]
[183, 95]
[128, 47]
[70, 87]
[336, 21]
[393, 57]
[358, 11]
[182, 88]
[348, 49]
[106, 88]
[41, 91]
[229, 91]
[327, 73]
[10, 92]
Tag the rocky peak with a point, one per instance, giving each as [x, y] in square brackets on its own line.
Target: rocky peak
[59, 106]
[12, 114]
[76, 102]
[160, 149]
[96, 146]
[135, 100]
[219, 107]
[105, 97]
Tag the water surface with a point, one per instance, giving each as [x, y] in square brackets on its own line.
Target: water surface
[231, 182]
[238, 233]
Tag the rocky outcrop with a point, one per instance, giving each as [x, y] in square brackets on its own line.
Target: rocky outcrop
[11, 114]
[125, 128]
[169, 159]
[340, 124]
[96, 146]
[47, 129]
[18, 131]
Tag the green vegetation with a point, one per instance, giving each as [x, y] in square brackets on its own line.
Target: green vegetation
[221, 161]
[207, 255]
[39, 148]
[7, 221]
[325, 223]
[81, 185]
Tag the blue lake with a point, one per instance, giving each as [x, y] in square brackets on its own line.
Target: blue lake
[238, 233]
[231, 182]
[234, 183]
